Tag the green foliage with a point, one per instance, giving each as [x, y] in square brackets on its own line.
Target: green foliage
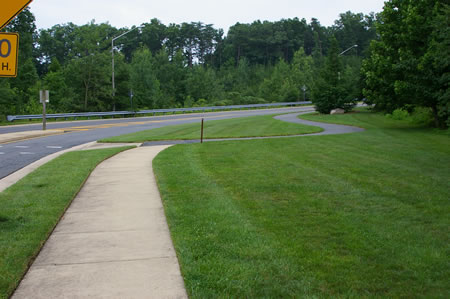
[255, 63]
[201, 83]
[143, 79]
[355, 29]
[420, 116]
[409, 64]
[89, 76]
[6, 99]
[333, 88]
[399, 114]
[280, 87]
[303, 72]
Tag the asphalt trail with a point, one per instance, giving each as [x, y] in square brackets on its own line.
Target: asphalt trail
[328, 129]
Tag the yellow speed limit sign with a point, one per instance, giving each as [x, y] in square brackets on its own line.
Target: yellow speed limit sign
[9, 46]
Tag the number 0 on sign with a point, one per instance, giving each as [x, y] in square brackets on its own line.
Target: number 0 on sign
[9, 46]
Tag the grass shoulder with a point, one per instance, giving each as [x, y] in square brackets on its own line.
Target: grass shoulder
[30, 209]
[255, 126]
[354, 215]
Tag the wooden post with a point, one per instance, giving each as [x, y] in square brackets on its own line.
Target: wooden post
[201, 137]
[44, 98]
[44, 116]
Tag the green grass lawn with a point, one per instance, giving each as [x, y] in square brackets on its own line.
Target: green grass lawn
[264, 125]
[30, 209]
[354, 215]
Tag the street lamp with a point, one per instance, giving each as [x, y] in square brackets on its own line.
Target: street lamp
[342, 53]
[354, 46]
[112, 51]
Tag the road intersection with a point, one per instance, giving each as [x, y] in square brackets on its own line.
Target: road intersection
[64, 135]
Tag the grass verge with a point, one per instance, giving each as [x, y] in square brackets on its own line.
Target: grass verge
[253, 126]
[354, 215]
[30, 209]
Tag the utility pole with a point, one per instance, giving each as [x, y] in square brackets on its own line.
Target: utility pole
[112, 53]
[342, 53]
[44, 99]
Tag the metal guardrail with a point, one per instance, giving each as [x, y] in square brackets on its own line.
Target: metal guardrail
[152, 112]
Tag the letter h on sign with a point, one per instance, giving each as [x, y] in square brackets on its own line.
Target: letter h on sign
[9, 45]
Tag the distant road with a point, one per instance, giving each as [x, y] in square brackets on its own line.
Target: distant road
[16, 155]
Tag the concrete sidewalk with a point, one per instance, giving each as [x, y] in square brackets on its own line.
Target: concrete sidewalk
[113, 241]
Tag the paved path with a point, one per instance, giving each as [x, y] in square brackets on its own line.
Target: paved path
[113, 241]
[328, 129]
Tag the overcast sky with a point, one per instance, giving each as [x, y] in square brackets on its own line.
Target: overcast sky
[222, 14]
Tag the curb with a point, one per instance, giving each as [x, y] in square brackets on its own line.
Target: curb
[19, 136]
[13, 178]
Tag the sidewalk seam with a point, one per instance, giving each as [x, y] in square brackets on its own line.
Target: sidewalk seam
[105, 262]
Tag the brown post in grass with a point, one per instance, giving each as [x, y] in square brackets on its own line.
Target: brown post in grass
[201, 137]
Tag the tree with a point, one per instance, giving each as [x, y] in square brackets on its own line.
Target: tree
[6, 99]
[408, 66]
[172, 77]
[56, 43]
[202, 84]
[90, 77]
[27, 77]
[302, 70]
[435, 64]
[61, 94]
[330, 89]
[145, 85]
[355, 29]
[280, 87]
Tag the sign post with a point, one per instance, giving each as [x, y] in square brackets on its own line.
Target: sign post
[9, 53]
[44, 98]
[304, 92]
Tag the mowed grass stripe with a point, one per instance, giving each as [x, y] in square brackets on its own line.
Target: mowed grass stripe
[354, 215]
[254, 126]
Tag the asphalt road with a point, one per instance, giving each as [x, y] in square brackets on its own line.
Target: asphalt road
[16, 155]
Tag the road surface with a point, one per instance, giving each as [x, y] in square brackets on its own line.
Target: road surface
[16, 155]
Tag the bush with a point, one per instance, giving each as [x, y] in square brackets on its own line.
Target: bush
[422, 116]
[248, 100]
[399, 114]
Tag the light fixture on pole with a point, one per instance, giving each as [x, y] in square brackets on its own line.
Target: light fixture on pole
[342, 53]
[112, 51]
[354, 46]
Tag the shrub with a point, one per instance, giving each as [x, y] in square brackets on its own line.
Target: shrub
[422, 116]
[399, 114]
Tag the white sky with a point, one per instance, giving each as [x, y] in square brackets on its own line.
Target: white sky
[222, 14]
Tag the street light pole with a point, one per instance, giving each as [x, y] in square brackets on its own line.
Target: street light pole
[304, 92]
[342, 53]
[354, 46]
[112, 53]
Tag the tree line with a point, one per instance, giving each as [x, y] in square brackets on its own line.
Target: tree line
[195, 64]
